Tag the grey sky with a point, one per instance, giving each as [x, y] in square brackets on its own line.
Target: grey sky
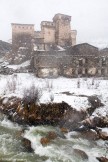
[89, 17]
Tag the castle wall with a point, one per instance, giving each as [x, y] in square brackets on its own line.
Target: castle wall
[22, 35]
[38, 34]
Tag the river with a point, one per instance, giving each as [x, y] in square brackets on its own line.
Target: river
[59, 150]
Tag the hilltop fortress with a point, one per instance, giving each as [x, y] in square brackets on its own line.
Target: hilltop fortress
[58, 32]
[53, 51]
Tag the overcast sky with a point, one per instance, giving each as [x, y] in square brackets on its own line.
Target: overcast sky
[89, 17]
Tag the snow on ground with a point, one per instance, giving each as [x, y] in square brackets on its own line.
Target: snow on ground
[73, 91]
[24, 64]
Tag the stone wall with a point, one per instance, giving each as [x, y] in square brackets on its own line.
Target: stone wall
[48, 31]
[71, 63]
[22, 35]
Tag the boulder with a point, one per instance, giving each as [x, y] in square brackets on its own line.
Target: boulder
[44, 141]
[95, 103]
[102, 159]
[64, 130]
[87, 134]
[51, 135]
[27, 145]
[71, 119]
[81, 154]
[94, 121]
[103, 134]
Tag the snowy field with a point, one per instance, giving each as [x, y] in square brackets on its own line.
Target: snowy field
[73, 91]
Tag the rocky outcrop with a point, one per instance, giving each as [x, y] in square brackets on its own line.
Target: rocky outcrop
[25, 111]
[31, 113]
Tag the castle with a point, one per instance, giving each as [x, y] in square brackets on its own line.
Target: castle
[49, 59]
[58, 32]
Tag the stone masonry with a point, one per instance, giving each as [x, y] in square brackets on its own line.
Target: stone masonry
[22, 35]
[81, 60]
[58, 32]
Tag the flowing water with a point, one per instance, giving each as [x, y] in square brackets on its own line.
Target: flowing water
[59, 150]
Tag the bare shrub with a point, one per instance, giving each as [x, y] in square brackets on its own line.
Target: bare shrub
[32, 95]
[78, 83]
[51, 97]
[11, 84]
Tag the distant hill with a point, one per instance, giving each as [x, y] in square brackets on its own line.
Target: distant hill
[4, 47]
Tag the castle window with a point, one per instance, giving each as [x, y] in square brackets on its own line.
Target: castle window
[80, 62]
[86, 71]
[103, 72]
[80, 71]
[86, 60]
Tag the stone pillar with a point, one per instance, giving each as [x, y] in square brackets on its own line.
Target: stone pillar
[106, 71]
[76, 71]
[83, 71]
[99, 72]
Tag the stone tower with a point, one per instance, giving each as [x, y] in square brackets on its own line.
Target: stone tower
[63, 30]
[48, 32]
[22, 35]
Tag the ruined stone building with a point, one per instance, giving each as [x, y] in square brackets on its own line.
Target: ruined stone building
[81, 60]
[55, 33]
